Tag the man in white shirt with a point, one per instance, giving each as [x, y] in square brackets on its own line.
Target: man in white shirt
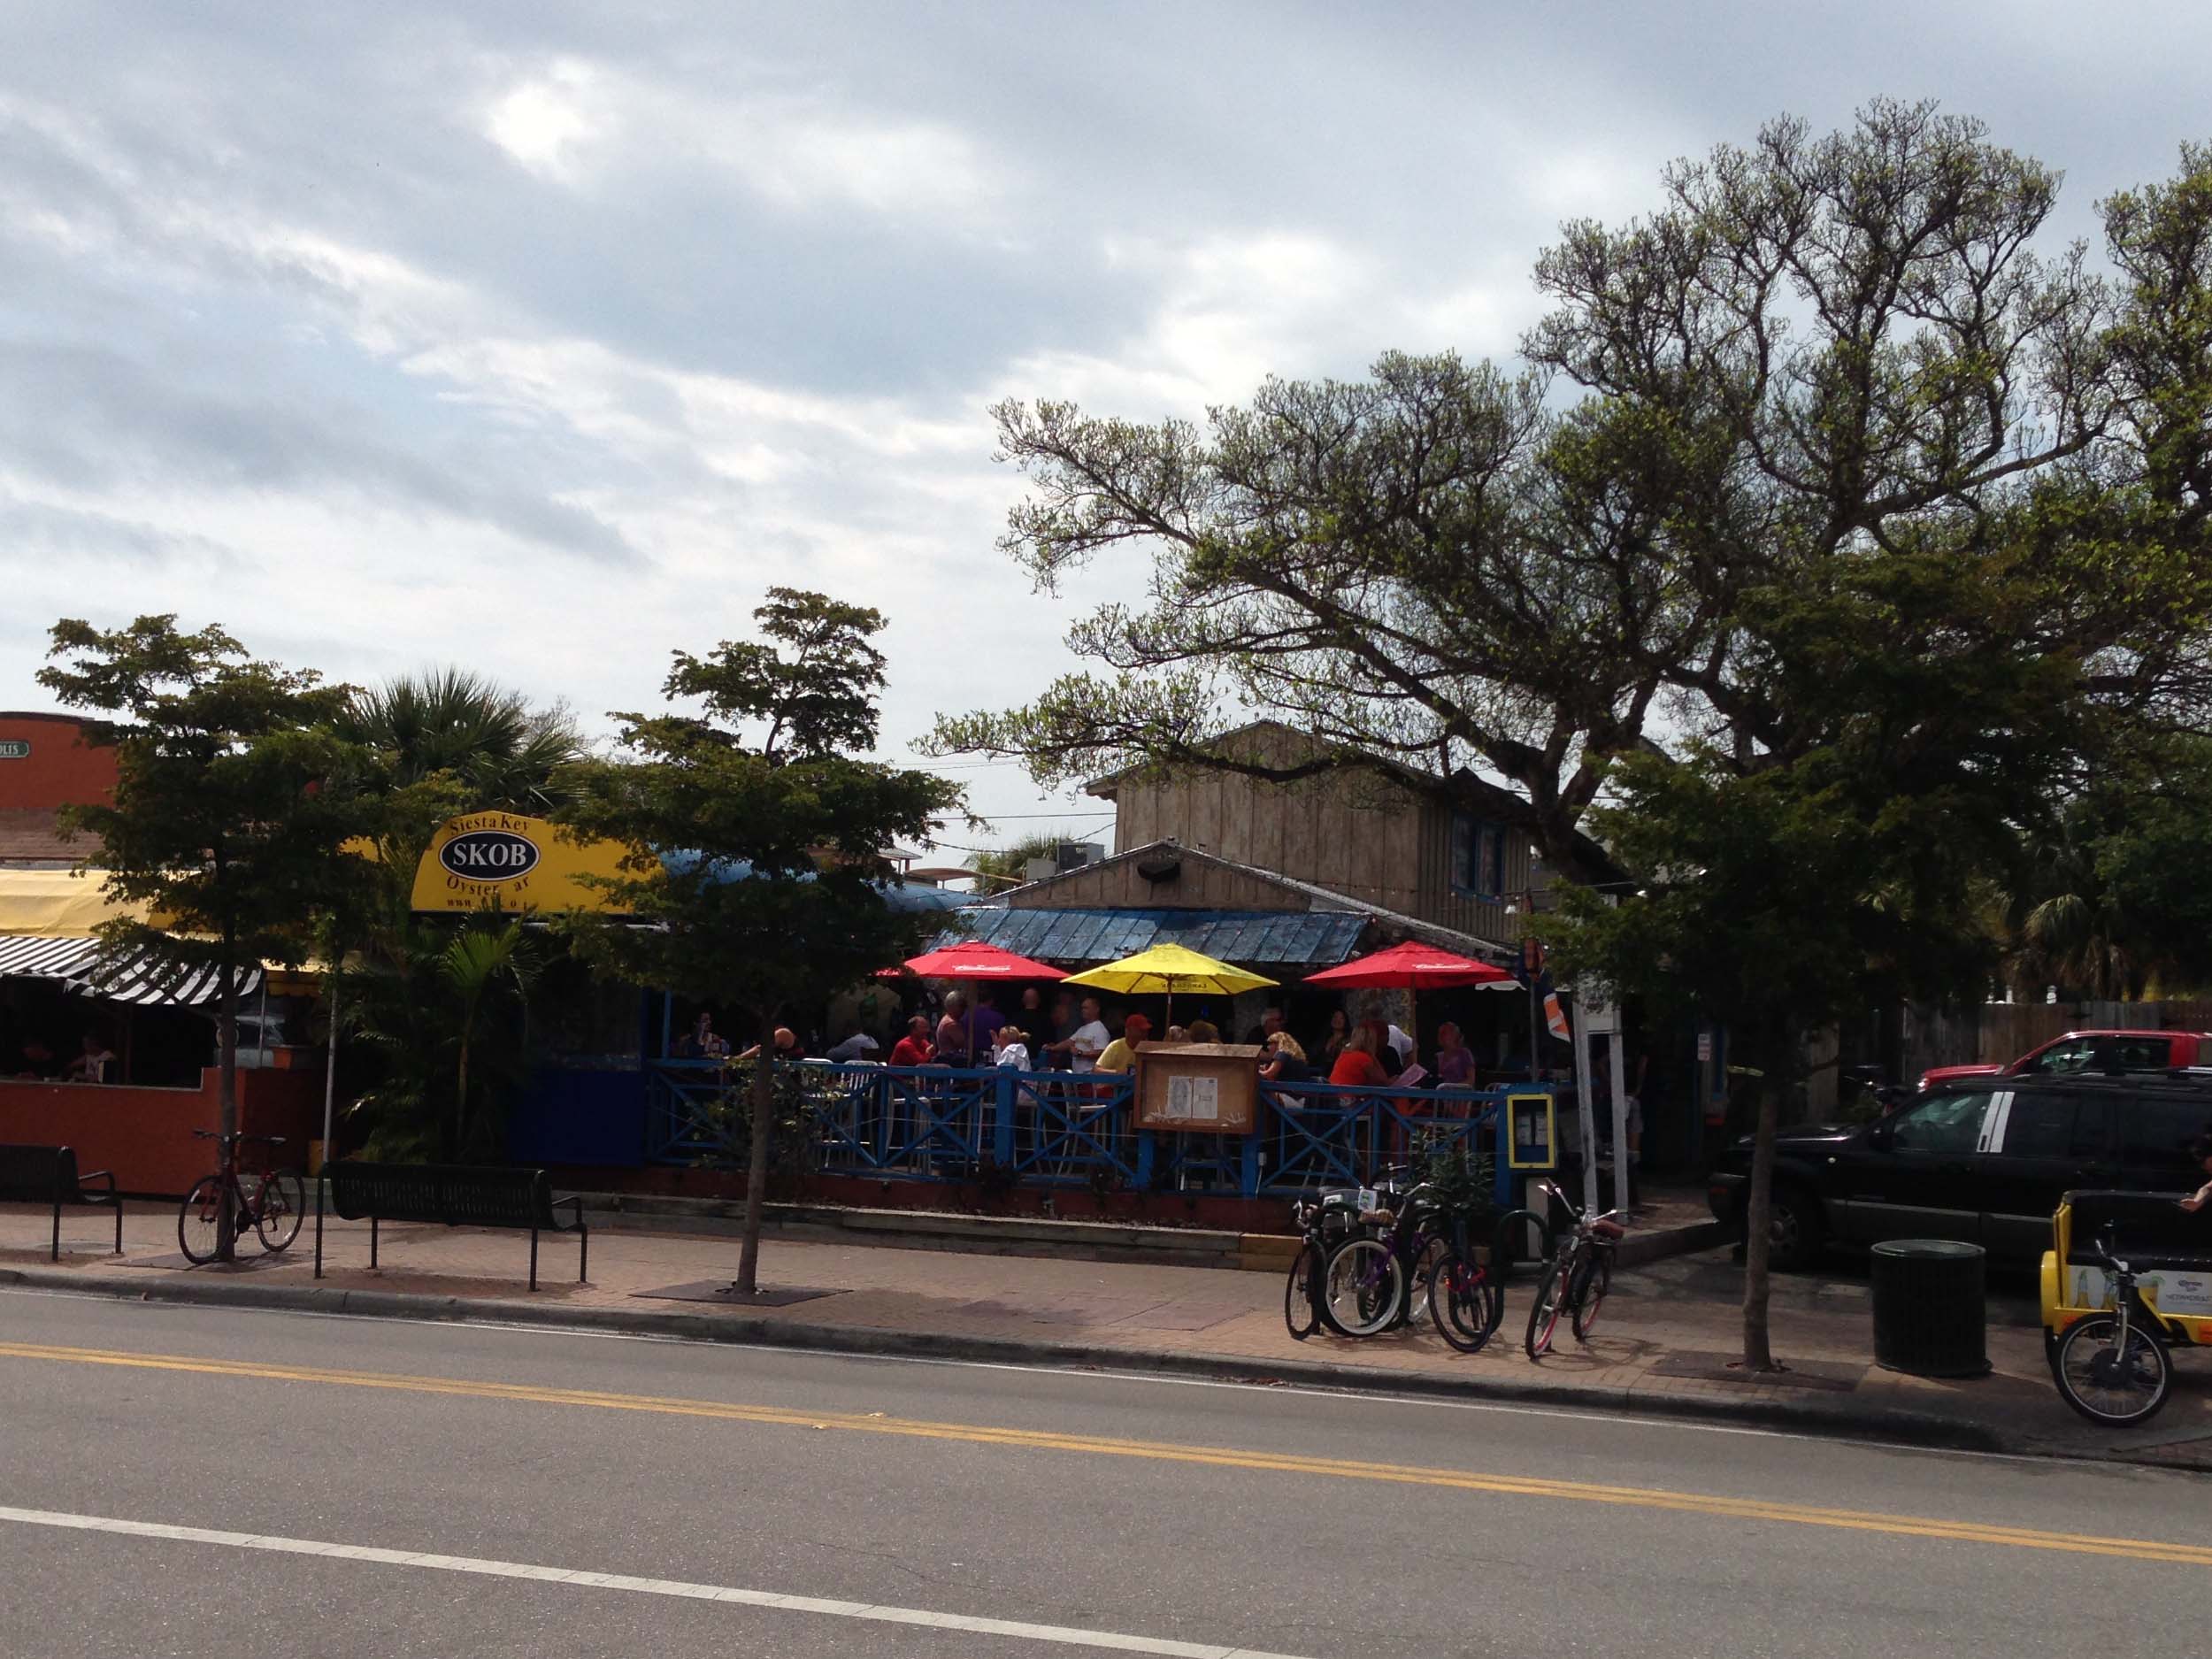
[1088, 1041]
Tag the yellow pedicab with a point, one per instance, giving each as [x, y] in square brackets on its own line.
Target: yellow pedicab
[2128, 1278]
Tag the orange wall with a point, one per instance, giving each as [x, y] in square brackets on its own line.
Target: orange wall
[61, 770]
[145, 1134]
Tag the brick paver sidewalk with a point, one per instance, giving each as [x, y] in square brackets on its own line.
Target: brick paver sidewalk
[1666, 1336]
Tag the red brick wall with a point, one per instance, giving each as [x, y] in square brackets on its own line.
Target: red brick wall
[62, 770]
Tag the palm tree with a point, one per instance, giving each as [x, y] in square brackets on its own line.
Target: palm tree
[456, 723]
[475, 961]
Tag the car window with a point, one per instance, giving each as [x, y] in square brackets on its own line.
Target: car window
[1943, 1122]
[2138, 1053]
[2042, 1126]
[2158, 1133]
[2064, 1059]
[2092, 1128]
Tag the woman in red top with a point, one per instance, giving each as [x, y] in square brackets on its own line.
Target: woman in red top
[914, 1048]
[1357, 1066]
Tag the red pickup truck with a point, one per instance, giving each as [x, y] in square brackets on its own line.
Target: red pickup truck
[2091, 1051]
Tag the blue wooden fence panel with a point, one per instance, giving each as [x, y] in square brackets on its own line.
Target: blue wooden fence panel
[1049, 1129]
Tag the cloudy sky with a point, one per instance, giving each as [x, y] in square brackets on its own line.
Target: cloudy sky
[543, 337]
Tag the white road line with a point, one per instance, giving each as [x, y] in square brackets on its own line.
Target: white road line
[1019, 1630]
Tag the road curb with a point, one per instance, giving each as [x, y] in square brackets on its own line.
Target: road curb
[1815, 1416]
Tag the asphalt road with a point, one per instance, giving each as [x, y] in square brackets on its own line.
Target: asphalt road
[310, 1462]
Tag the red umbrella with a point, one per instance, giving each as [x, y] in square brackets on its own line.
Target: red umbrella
[973, 959]
[1409, 967]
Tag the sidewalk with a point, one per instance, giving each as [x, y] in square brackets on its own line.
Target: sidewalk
[1664, 1346]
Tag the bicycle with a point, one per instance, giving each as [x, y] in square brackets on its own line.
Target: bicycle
[2112, 1366]
[1383, 1276]
[270, 1201]
[1321, 1227]
[1577, 1275]
[1467, 1296]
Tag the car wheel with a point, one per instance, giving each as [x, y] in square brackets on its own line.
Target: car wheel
[1794, 1231]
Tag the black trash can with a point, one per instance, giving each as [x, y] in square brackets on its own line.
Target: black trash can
[1931, 1312]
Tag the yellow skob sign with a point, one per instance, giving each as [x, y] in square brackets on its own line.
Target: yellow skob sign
[500, 861]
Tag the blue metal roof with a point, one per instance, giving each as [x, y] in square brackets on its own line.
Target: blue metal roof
[1288, 938]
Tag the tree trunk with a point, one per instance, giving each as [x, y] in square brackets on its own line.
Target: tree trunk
[226, 1102]
[756, 1166]
[1758, 1354]
[461, 1099]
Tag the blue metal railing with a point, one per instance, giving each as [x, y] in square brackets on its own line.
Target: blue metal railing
[1058, 1128]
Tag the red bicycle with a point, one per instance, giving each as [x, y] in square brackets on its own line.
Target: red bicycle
[270, 1201]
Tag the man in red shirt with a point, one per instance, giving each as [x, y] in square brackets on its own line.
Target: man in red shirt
[914, 1048]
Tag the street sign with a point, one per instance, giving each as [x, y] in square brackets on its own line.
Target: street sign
[1705, 1048]
[15, 749]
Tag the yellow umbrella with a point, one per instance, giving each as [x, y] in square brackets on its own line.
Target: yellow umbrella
[1169, 968]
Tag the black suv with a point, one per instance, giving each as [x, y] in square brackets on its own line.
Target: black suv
[1984, 1160]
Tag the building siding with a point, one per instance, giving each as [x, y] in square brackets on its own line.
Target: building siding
[1364, 838]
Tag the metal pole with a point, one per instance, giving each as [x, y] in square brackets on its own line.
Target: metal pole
[330, 1095]
[1620, 1116]
[1585, 1113]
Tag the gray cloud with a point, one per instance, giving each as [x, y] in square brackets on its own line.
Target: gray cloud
[547, 335]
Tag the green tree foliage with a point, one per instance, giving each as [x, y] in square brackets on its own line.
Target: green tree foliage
[2112, 904]
[479, 962]
[426, 747]
[1835, 527]
[1011, 862]
[759, 873]
[224, 820]
[453, 723]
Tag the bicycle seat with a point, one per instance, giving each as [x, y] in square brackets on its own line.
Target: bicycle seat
[1608, 1229]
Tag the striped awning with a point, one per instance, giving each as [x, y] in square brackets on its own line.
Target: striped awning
[23, 958]
[140, 978]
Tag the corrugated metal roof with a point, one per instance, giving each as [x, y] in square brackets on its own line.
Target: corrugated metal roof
[1308, 938]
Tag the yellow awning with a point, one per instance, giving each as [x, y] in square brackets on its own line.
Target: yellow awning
[59, 905]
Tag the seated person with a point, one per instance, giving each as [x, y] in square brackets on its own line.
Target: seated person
[1121, 1053]
[2202, 1151]
[1454, 1060]
[1285, 1061]
[857, 1046]
[1357, 1067]
[914, 1048]
[36, 1060]
[786, 1046]
[1201, 1031]
[1009, 1047]
[92, 1065]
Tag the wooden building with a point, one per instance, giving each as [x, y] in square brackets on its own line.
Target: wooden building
[1377, 838]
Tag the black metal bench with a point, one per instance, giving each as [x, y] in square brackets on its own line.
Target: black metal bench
[453, 1195]
[47, 1175]
[2150, 1231]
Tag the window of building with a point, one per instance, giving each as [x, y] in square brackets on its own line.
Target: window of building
[1478, 856]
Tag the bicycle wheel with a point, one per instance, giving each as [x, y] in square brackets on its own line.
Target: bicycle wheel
[200, 1221]
[1465, 1302]
[283, 1204]
[1543, 1312]
[2106, 1385]
[1301, 1311]
[1591, 1281]
[1363, 1286]
[1419, 1273]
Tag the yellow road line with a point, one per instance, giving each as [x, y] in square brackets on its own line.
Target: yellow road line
[1159, 1451]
